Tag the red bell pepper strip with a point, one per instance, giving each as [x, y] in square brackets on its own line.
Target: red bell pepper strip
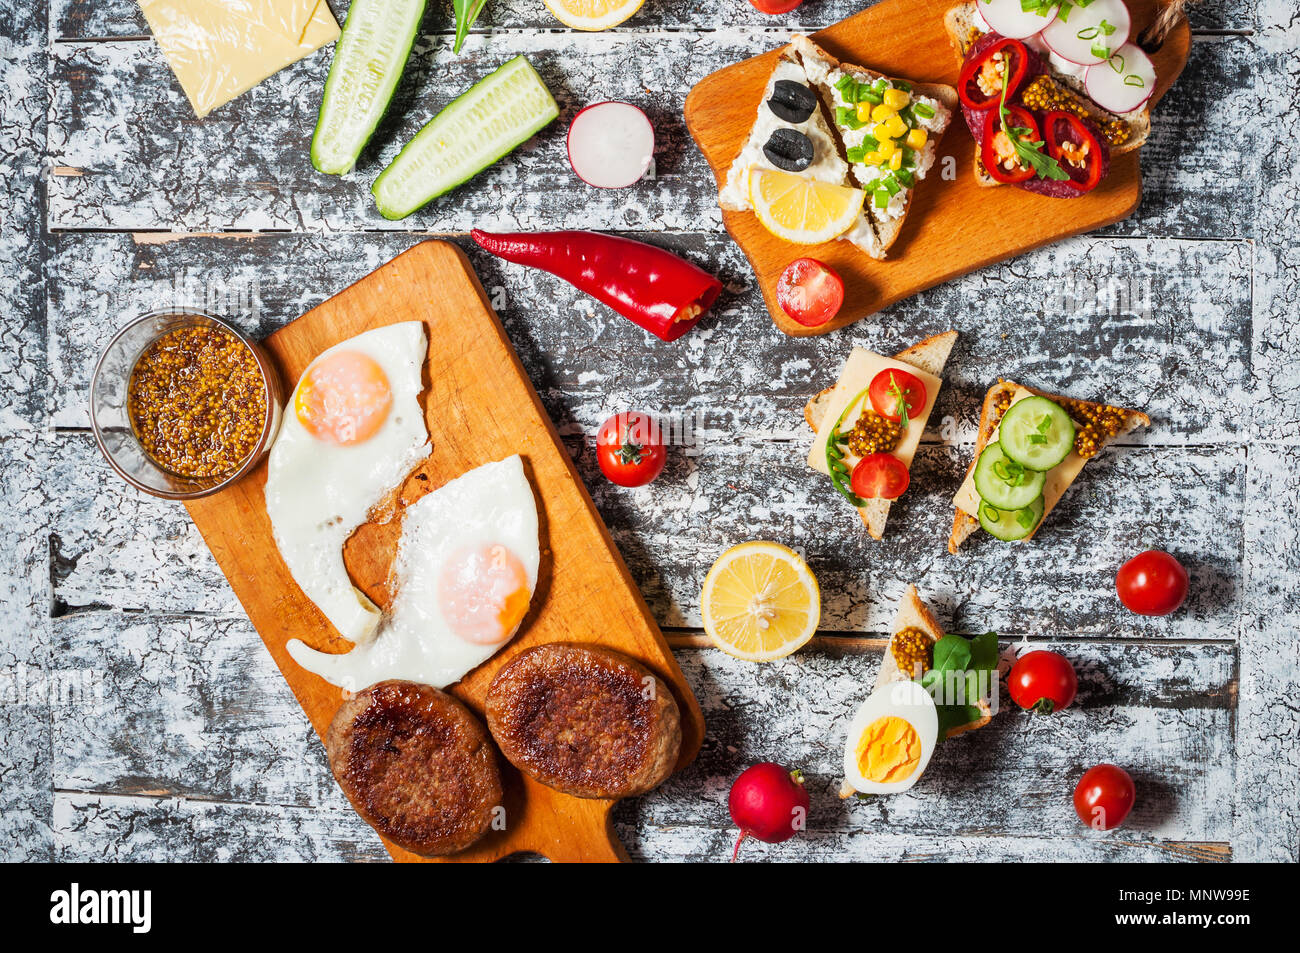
[651, 287]
[1076, 148]
[1015, 59]
[994, 136]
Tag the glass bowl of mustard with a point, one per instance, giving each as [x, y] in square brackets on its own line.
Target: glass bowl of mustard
[183, 404]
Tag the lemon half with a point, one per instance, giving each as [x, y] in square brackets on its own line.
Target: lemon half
[801, 210]
[592, 15]
[760, 601]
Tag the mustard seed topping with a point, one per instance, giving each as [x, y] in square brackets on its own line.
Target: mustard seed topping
[874, 434]
[1045, 94]
[912, 647]
[197, 402]
[1100, 422]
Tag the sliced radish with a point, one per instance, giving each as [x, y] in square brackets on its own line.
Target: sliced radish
[1102, 23]
[1009, 18]
[611, 144]
[1122, 83]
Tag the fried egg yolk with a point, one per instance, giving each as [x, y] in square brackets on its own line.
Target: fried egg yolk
[889, 750]
[344, 398]
[483, 592]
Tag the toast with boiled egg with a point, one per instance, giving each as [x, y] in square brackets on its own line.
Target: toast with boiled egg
[826, 412]
[890, 129]
[1040, 454]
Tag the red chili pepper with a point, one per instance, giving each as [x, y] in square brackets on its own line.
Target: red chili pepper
[1076, 148]
[1020, 118]
[651, 287]
[1015, 57]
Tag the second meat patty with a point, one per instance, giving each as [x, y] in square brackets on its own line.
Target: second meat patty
[585, 720]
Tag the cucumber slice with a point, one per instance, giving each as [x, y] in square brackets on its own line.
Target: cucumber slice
[1036, 433]
[1011, 524]
[1005, 484]
[368, 62]
[498, 113]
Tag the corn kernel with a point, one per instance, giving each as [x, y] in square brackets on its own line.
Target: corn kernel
[895, 125]
[917, 137]
[880, 131]
[872, 158]
[896, 99]
[896, 160]
[882, 112]
[887, 149]
[864, 112]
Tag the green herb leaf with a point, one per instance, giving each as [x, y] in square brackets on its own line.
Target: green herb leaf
[467, 12]
[952, 653]
[1029, 153]
[901, 406]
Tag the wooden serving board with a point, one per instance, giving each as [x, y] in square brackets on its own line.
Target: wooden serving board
[480, 407]
[954, 227]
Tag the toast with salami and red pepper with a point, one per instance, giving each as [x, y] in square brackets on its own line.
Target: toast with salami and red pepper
[889, 128]
[1008, 468]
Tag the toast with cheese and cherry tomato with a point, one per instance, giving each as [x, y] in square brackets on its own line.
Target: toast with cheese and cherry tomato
[1048, 94]
[890, 129]
[1031, 446]
[870, 423]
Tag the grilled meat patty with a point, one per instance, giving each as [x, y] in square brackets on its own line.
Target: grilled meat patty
[417, 765]
[585, 720]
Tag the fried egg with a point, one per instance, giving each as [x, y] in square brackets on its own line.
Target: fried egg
[354, 431]
[891, 739]
[464, 575]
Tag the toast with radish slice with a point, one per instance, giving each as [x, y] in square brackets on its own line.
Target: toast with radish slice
[828, 409]
[1091, 426]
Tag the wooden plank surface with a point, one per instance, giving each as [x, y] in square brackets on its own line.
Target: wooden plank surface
[197, 749]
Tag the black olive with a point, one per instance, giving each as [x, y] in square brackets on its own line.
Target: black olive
[791, 101]
[789, 149]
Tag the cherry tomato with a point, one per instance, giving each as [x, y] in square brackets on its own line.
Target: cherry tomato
[1078, 150]
[1104, 796]
[996, 146]
[879, 475]
[889, 386]
[981, 55]
[630, 449]
[775, 6]
[1152, 583]
[1042, 681]
[810, 292]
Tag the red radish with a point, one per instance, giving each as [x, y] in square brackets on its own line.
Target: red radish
[768, 802]
[611, 144]
[775, 6]
[1073, 39]
[1010, 19]
[1124, 82]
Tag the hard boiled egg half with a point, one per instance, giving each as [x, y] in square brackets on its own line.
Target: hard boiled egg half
[891, 739]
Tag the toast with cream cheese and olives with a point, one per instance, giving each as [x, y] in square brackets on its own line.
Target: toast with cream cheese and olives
[791, 133]
[826, 411]
[1030, 448]
[890, 129]
[1057, 89]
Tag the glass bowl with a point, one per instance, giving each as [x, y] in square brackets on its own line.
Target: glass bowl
[112, 426]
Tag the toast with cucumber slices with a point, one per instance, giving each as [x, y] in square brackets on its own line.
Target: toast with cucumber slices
[1031, 447]
[890, 129]
[837, 442]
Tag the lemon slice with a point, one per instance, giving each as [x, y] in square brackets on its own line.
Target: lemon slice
[760, 601]
[592, 14]
[802, 210]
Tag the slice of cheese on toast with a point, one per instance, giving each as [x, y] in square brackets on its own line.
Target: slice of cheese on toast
[821, 412]
[826, 71]
[996, 402]
[828, 163]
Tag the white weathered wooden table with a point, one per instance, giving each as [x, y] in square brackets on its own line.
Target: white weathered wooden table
[140, 717]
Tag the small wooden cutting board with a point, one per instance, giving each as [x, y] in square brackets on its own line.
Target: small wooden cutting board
[954, 227]
[480, 407]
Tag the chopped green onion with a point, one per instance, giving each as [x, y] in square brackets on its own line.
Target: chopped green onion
[902, 175]
[1118, 69]
[880, 86]
[1129, 80]
[899, 84]
[1063, 13]
[991, 512]
[870, 144]
[871, 96]
[1100, 50]
[881, 198]
[922, 110]
[855, 154]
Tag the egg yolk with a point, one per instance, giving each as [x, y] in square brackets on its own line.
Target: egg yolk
[343, 398]
[483, 593]
[889, 750]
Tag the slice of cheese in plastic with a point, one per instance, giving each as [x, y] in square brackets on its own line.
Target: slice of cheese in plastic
[221, 48]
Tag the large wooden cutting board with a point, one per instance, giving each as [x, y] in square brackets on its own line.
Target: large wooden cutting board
[954, 227]
[480, 407]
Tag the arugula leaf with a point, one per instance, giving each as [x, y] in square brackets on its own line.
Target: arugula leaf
[951, 653]
[900, 401]
[984, 651]
[1028, 152]
[467, 12]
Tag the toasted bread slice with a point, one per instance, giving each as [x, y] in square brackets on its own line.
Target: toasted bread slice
[929, 355]
[826, 71]
[828, 163]
[996, 401]
[964, 29]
